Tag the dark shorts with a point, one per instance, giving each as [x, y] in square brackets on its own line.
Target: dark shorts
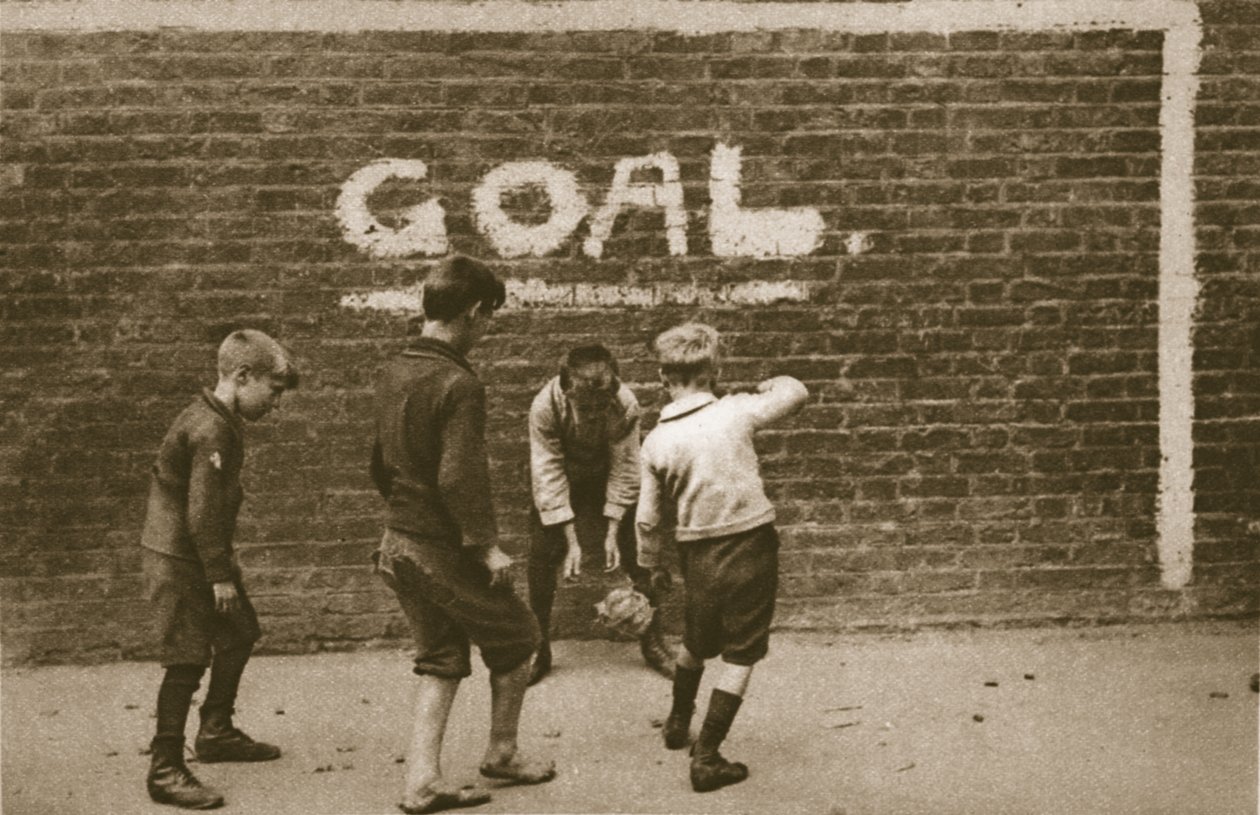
[731, 586]
[190, 628]
[447, 598]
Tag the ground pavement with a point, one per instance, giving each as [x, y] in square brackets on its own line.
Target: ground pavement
[1143, 720]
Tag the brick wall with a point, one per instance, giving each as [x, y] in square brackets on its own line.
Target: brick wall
[982, 442]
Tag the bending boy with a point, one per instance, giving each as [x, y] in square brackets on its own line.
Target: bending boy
[440, 553]
[700, 460]
[190, 571]
[584, 474]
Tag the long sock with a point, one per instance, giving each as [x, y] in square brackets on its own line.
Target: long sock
[225, 679]
[686, 686]
[179, 684]
[717, 721]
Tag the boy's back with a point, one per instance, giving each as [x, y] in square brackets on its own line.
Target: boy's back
[701, 459]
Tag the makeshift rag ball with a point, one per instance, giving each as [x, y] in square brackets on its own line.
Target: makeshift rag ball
[625, 611]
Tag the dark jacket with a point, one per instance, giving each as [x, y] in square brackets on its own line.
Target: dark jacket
[196, 490]
[429, 460]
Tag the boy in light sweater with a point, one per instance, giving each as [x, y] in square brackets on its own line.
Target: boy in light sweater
[700, 476]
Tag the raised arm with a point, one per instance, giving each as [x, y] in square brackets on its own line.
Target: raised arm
[775, 399]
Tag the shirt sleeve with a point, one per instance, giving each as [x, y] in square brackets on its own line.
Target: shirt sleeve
[464, 470]
[212, 504]
[775, 399]
[649, 521]
[548, 480]
[623, 471]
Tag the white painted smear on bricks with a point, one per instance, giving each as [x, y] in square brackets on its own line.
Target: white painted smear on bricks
[1178, 19]
[534, 293]
[738, 232]
[512, 239]
[666, 194]
[685, 16]
[1178, 293]
[424, 232]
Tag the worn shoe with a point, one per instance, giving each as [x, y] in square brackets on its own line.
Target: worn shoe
[655, 653]
[677, 731]
[219, 740]
[712, 772]
[171, 782]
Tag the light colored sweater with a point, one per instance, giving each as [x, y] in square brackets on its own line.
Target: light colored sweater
[700, 459]
[555, 454]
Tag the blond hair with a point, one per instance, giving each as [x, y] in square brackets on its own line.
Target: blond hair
[257, 351]
[687, 352]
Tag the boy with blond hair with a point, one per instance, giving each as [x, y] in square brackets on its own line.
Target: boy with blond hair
[701, 477]
[191, 574]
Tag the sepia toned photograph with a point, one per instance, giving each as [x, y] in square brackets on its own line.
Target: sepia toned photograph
[836, 407]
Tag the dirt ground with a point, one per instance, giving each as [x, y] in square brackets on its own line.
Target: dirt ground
[1149, 720]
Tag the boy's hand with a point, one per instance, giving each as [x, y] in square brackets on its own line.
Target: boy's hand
[226, 597]
[572, 566]
[500, 564]
[612, 554]
[661, 581]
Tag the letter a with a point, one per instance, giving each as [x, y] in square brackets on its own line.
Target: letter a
[667, 194]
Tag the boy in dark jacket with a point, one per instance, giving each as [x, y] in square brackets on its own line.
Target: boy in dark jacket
[191, 575]
[440, 553]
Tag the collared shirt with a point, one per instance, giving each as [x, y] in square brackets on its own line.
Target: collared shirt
[564, 448]
[429, 460]
[700, 460]
[195, 491]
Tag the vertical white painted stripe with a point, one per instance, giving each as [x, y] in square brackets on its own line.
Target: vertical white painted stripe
[1178, 293]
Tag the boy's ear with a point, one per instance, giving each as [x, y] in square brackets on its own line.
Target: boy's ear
[471, 311]
[241, 375]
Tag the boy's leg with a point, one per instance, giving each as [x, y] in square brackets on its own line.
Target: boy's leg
[687, 675]
[441, 662]
[218, 739]
[709, 770]
[425, 789]
[181, 607]
[546, 552]
[746, 566]
[503, 759]
[169, 780]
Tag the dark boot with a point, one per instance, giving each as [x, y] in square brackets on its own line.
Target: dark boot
[677, 729]
[219, 740]
[709, 770]
[652, 646]
[542, 663]
[171, 782]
